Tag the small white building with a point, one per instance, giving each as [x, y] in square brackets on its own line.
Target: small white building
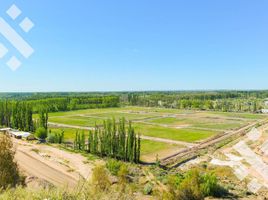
[5, 130]
[265, 111]
[19, 134]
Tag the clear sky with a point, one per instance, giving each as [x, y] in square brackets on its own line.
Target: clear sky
[103, 45]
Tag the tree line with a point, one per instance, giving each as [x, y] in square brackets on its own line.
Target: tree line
[16, 114]
[227, 101]
[75, 103]
[235, 101]
[19, 115]
[116, 140]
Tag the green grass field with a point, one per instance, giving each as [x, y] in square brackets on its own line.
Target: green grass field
[187, 135]
[151, 149]
[181, 134]
[183, 125]
[77, 121]
[201, 122]
[69, 133]
[179, 125]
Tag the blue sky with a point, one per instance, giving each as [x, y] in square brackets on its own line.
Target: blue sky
[103, 45]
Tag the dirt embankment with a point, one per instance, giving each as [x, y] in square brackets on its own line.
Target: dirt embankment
[61, 168]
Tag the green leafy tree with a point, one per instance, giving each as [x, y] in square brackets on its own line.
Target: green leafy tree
[111, 140]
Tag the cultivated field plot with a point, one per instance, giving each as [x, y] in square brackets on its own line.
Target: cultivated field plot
[179, 134]
[91, 117]
[152, 150]
[202, 121]
[166, 124]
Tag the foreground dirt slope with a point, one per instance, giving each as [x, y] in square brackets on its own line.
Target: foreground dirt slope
[36, 168]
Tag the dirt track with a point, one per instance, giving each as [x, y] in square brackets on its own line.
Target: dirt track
[70, 126]
[41, 170]
[187, 144]
[53, 165]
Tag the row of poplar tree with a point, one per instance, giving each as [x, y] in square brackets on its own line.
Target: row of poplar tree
[113, 139]
[16, 114]
[19, 115]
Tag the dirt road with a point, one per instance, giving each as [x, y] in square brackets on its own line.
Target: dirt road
[187, 144]
[70, 126]
[43, 171]
[51, 164]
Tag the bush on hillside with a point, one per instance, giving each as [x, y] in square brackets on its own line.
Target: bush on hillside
[100, 178]
[41, 133]
[123, 174]
[9, 172]
[194, 185]
[57, 138]
[190, 187]
[113, 166]
[210, 186]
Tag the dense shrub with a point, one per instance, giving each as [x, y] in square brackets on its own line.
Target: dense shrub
[210, 186]
[194, 185]
[100, 178]
[190, 187]
[113, 166]
[9, 172]
[41, 133]
[51, 138]
[122, 174]
[55, 137]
